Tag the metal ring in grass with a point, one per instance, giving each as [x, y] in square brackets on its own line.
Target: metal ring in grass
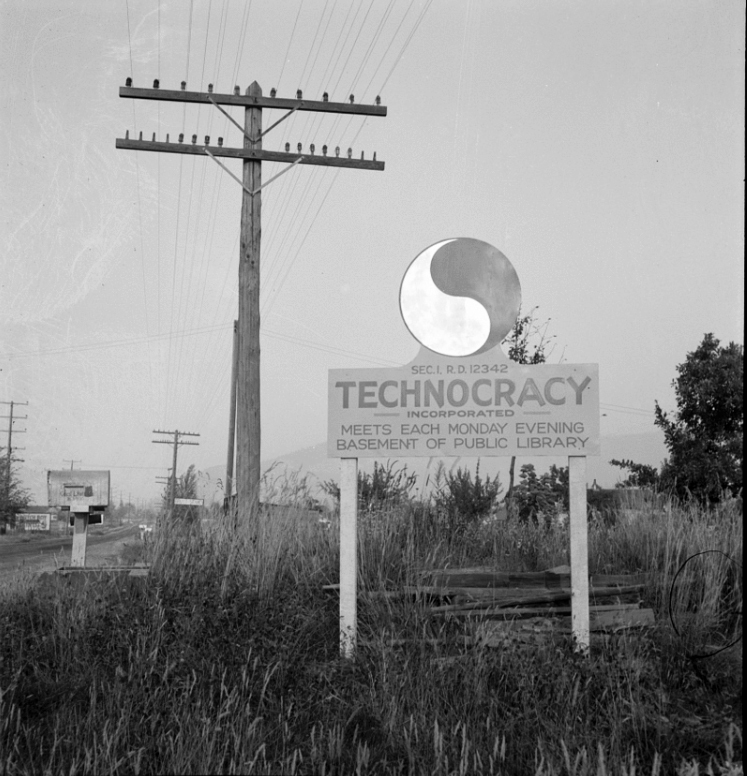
[671, 596]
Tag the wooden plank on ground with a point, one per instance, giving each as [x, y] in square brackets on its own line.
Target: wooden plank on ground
[500, 613]
[551, 578]
[489, 579]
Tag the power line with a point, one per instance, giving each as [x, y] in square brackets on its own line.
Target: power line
[114, 343]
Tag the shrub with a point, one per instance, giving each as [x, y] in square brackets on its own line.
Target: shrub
[383, 488]
[462, 500]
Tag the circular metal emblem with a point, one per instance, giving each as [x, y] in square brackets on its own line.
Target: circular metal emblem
[460, 297]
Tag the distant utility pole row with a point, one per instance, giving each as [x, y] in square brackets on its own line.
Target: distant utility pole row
[9, 459]
[252, 156]
[176, 442]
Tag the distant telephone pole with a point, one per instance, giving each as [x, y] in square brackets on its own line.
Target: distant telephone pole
[166, 481]
[71, 462]
[176, 442]
[9, 457]
[252, 155]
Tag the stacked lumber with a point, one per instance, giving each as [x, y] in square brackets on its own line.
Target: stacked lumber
[500, 608]
[518, 604]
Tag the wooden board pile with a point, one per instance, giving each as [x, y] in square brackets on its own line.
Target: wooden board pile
[529, 607]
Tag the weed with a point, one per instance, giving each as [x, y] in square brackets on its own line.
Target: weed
[225, 659]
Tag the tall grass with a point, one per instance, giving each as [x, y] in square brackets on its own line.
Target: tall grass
[225, 659]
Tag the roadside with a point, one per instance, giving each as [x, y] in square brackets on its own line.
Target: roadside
[34, 553]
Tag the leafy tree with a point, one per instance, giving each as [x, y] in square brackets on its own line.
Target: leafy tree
[528, 343]
[641, 475]
[541, 496]
[186, 487]
[13, 496]
[705, 436]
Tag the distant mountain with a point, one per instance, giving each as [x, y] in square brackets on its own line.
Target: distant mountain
[647, 447]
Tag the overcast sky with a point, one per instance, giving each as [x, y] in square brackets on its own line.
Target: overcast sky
[598, 145]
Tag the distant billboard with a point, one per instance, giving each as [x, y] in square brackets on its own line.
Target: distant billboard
[34, 521]
[78, 491]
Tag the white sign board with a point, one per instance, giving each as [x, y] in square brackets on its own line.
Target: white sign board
[478, 406]
[188, 502]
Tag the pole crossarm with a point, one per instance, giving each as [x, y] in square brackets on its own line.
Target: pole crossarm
[248, 153]
[252, 101]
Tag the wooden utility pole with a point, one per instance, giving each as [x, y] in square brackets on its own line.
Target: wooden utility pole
[9, 457]
[176, 442]
[252, 155]
[249, 426]
[67, 460]
[232, 417]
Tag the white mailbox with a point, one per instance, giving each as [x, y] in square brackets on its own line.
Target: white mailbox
[79, 491]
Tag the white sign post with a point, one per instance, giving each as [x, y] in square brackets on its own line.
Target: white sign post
[456, 399]
[348, 555]
[579, 551]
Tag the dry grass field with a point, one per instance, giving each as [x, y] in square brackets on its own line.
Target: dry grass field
[225, 658]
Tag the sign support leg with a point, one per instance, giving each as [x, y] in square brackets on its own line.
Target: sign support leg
[348, 555]
[79, 539]
[579, 552]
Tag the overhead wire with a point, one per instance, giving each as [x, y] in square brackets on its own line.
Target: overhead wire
[290, 41]
[196, 257]
[125, 342]
[187, 269]
[215, 351]
[169, 370]
[419, 21]
[277, 269]
[321, 41]
[313, 42]
[139, 208]
[280, 273]
[298, 236]
[391, 43]
[311, 178]
[210, 350]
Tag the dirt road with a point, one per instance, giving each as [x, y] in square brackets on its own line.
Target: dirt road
[36, 553]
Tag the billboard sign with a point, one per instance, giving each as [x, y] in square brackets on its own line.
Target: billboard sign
[34, 521]
[78, 491]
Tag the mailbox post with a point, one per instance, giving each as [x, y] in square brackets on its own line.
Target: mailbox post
[85, 496]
